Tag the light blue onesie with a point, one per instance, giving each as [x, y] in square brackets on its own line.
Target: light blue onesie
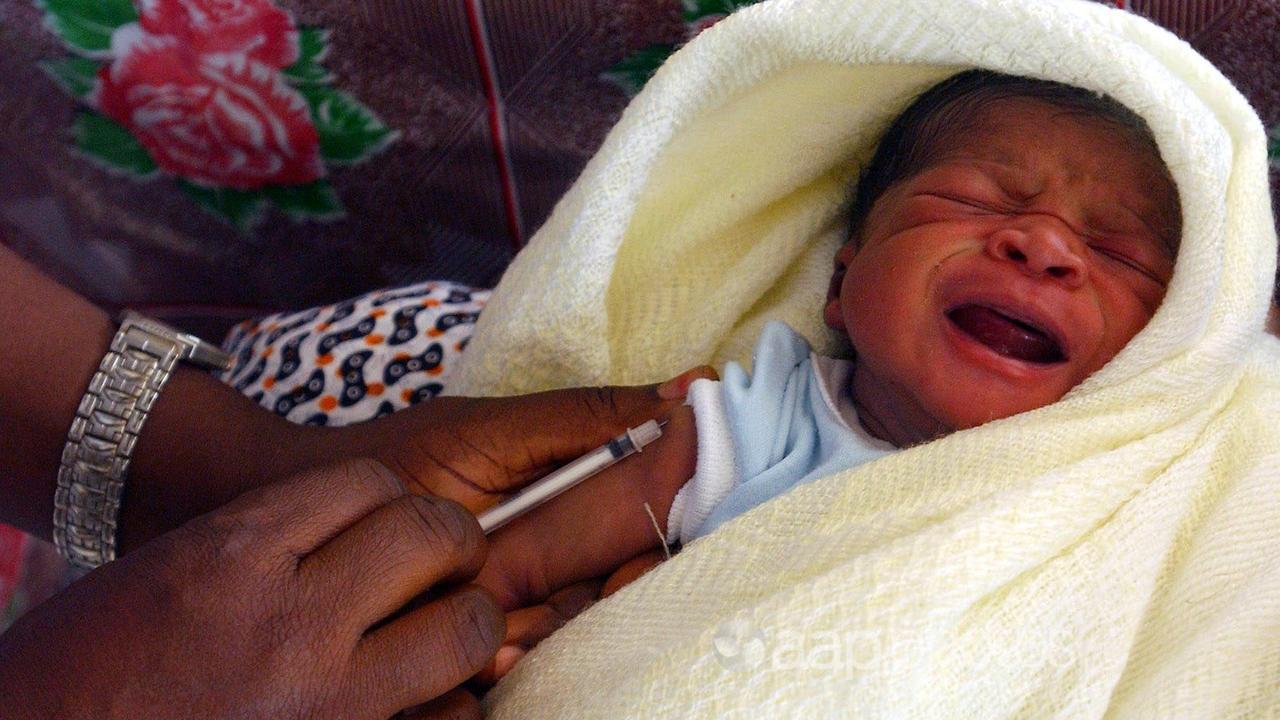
[789, 422]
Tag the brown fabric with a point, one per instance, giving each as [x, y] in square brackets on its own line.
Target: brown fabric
[431, 206]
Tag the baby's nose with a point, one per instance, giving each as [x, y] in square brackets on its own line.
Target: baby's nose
[1041, 247]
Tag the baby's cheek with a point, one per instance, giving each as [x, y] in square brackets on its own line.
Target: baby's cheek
[875, 295]
[1123, 314]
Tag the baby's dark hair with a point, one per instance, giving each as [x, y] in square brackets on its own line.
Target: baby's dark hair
[911, 143]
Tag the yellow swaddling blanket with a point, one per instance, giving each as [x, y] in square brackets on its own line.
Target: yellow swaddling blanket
[1115, 554]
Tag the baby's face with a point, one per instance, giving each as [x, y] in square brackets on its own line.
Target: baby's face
[1018, 262]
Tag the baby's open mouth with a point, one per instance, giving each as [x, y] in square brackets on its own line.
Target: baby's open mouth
[1009, 336]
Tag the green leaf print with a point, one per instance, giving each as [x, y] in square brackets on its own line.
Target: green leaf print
[86, 25]
[694, 9]
[632, 73]
[349, 131]
[76, 75]
[111, 144]
[313, 45]
[314, 201]
[242, 208]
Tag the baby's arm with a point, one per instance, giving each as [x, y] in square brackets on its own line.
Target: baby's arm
[594, 528]
[542, 566]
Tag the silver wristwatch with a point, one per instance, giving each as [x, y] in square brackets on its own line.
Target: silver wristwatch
[86, 503]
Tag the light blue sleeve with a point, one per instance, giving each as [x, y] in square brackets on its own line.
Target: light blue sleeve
[779, 426]
[772, 422]
[761, 406]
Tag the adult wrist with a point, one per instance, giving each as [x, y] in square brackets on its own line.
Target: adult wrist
[205, 444]
[113, 411]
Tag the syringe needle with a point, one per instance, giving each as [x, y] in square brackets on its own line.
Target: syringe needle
[556, 482]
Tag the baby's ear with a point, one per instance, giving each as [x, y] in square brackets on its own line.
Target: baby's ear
[832, 313]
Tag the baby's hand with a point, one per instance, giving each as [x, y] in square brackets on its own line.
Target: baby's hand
[529, 626]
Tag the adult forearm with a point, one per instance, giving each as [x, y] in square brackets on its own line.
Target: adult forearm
[53, 340]
[202, 444]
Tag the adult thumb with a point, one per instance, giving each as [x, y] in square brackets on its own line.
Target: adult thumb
[559, 425]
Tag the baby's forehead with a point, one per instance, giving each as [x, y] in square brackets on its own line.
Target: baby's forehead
[993, 129]
[1019, 138]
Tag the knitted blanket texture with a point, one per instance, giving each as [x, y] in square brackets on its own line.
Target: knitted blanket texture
[1114, 554]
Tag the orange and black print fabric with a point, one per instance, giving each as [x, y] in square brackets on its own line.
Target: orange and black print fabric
[358, 359]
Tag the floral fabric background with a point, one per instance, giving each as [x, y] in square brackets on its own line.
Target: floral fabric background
[227, 98]
[312, 151]
[402, 141]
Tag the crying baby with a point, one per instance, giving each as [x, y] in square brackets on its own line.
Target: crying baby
[1008, 238]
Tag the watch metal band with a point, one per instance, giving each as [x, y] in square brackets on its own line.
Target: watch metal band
[100, 444]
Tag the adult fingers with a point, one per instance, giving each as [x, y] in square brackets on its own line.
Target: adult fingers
[603, 520]
[393, 554]
[431, 649]
[457, 704]
[524, 435]
[303, 512]
[561, 425]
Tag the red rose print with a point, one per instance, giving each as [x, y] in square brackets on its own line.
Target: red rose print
[222, 120]
[256, 28]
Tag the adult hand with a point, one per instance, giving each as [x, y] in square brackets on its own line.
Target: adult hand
[471, 450]
[546, 567]
[289, 602]
[477, 451]
[538, 562]
[594, 528]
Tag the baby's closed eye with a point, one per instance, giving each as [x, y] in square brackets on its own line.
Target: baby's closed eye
[972, 201]
[1133, 255]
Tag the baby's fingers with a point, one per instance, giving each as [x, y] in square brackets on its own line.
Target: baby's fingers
[630, 571]
[529, 626]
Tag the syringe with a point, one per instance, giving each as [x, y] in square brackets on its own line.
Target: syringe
[566, 477]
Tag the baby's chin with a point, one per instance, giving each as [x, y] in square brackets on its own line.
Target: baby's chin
[917, 405]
